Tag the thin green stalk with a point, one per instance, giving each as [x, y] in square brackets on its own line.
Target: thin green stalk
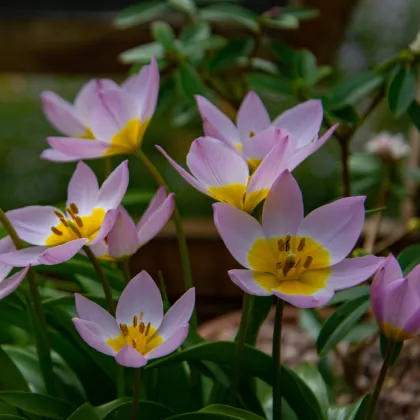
[240, 344]
[278, 321]
[136, 395]
[380, 381]
[107, 166]
[37, 316]
[102, 277]
[126, 270]
[120, 381]
[182, 241]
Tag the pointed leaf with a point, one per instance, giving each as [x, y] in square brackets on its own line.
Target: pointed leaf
[409, 258]
[140, 13]
[401, 90]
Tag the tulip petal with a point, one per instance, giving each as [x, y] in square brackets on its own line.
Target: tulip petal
[320, 298]
[150, 92]
[178, 315]
[377, 295]
[216, 123]
[283, 208]
[352, 271]
[336, 226]
[252, 116]
[83, 189]
[392, 270]
[79, 148]
[9, 285]
[170, 344]
[412, 325]
[245, 279]
[114, 187]
[157, 200]
[93, 335]
[106, 226]
[6, 245]
[259, 147]
[91, 311]
[302, 121]
[62, 115]
[151, 226]
[140, 295]
[239, 232]
[100, 249]
[129, 357]
[187, 176]
[122, 239]
[33, 223]
[56, 156]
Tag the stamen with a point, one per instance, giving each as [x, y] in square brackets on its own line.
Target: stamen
[58, 214]
[78, 221]
[141, 327]
[289, 264]
[279, 265]
[301, 244]
[64, 221]
[70, 212]
[297, 263]
[147, 329]
[124, 329]
[308, 262]
[133, 343]
[74, 208]
[56, 231]
[141, 315]
[251, 134]
[135, 321]
[280, 244]
[287, 244]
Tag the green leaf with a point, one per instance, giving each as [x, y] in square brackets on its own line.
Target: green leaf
[8, 409]
[142, 54]
[305, 67]
[346, 114]
[284, 21]
[189, 81]
[233, 412]
[163, 33]
[184, 6]
[414, 114]
[285, 53]
[353, 89]
[401, 90]
[301, 13]
[337, 326]
[384, 343]
[254, 363]
[409, 258]
[357, 411]
[39, 404]
[310, 321]
[137, 197]
[10, 417]
[234, 50]
[350, 294]
[11, 377]
[260, 309]
[140, 13]
[195, 31]
[269, 85]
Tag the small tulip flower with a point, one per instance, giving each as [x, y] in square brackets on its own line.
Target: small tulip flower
[221, 173]
[298, 259]
[140, 331]
[396, 301]
[90, 214]
[388, 146]
[9, 284]
[125, 238]
[105, 120]
[252, 134]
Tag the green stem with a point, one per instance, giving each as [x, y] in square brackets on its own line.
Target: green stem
[136, 395]
[278, 320]
[107, 166]
[37, 316]
[182, 241]
[126, 270]
[120, 381]
[381, 379]
[240, 344]
[104, 280]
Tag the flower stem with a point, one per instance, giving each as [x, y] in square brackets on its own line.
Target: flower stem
[381, 379]
[37, 315]
[126, 270]
[136, 395]
[182, 241]
[104, 280]
[240, 343]
[278, 319]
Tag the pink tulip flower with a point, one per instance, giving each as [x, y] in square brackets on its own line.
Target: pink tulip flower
[9, 284]
[298, 259]
[125, 238]
[396, 301]
[106, 119]
[90, 214]
[140, 331]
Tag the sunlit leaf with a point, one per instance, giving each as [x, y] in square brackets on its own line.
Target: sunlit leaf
[140, 13]
[401, 90]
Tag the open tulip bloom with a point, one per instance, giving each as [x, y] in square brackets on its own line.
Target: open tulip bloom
[396, 301]
[106, 119]
[299, 259]
[251, 134]
[125, 238]
[90, 214]
[9, 284]
[221, 173]
[139, 332]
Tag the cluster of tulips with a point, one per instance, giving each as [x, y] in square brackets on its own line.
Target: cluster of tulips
[302, 260]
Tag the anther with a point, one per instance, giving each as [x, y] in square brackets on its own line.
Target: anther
[74, 208]
[301, 244]
[79, 221]
[289, 264]
[308, 262]
[287, 243]
[141, 327]
[56, 231]
[251, 134]
[280, 244]
[141, 315]
[58, 214]
[147, 329]
[64, 221]
[135, 321]
[124, 329]
[279, 265]
[297, 263]
[70, 212]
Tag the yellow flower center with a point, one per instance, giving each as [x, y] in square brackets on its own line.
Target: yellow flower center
[75, 226]
[395, 333]
[129, 139]
[88, 135]
[300, 264]
[140, 336]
